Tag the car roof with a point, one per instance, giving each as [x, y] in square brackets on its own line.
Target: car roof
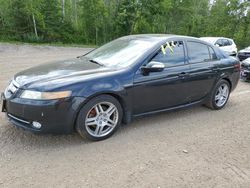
[159, 37]
[162, 38]
[247, 49]
[213, 39]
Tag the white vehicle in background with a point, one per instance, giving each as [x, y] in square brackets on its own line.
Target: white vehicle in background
[226, 44]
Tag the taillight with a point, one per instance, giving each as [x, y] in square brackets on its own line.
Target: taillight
[237, 66]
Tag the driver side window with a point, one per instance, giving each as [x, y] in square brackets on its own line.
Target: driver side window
[171, 54]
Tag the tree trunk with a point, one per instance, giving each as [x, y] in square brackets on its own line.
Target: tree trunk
[75, 13]
[34, 23]
[63, 9]
[96, 35]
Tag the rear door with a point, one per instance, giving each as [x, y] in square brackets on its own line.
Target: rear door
[203, 69]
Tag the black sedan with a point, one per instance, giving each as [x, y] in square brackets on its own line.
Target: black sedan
[244, 54]
[129, 77]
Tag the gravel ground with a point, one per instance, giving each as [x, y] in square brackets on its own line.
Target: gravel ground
[195, 147]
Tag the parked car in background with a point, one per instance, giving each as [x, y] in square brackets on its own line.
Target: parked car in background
[129, 77]
[225, 44]
[245, 70]
[244, 54]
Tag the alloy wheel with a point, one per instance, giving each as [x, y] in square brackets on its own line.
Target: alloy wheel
[101, 119]
[222, 95]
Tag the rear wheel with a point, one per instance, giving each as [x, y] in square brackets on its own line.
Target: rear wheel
[99, 118]
[219, 95]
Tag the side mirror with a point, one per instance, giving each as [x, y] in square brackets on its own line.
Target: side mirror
[218, 45]
[153, 66]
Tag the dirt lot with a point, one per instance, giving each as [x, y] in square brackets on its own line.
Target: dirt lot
[150, 152]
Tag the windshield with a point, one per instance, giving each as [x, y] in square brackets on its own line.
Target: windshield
[121, 52]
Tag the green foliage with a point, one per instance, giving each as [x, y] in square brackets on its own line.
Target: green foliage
[99, 21]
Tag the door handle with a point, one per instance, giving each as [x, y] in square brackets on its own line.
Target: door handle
[183, 74]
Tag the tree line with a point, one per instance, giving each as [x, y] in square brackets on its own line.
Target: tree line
[99, 21]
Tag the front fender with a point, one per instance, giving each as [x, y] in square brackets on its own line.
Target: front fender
[102, 86]
[118, 86]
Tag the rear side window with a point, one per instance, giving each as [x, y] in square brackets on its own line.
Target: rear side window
[226, 42]
[213, 55]
[171, 55]
[197, 52]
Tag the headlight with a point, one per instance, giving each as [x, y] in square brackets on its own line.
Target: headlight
[36, 95]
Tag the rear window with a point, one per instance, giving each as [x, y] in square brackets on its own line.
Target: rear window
[197, 52]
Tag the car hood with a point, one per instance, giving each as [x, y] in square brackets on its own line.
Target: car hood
[60, 71]
[246, 61]
[245, 50]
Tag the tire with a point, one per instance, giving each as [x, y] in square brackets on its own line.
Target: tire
[99, 118]
[214, 99]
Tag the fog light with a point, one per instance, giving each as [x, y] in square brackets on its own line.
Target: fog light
[36, 124]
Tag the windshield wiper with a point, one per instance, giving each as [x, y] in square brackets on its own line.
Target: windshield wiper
[96, 62]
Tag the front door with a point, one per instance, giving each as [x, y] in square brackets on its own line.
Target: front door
[166, 89]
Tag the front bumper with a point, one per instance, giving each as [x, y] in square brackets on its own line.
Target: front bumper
[245, 74]
[55, 116]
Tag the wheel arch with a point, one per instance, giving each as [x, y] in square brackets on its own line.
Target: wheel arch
[229, 81]
[126, 112]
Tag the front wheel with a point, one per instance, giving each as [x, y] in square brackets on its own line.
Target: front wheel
[99, 118]
[219, 95]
